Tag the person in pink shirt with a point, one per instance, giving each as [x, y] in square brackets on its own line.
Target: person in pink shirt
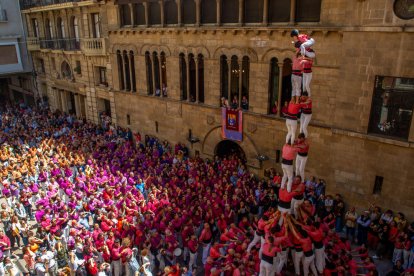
[289, 152]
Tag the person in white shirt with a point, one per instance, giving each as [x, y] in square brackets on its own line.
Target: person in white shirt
[48, 257]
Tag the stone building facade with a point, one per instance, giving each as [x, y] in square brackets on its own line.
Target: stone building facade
[168, 64]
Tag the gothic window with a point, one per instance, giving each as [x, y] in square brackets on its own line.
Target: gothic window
[171, 12]
[308, 10]
[189, 11]
[154, 13]
[148, 66]
[183, 77]
[274, 87]
[253, 11]
[279, 10]
[125, 14]
[230, 11]
[208, 11]
[139, 14]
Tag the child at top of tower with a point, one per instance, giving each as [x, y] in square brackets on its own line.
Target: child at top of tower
[306, 43]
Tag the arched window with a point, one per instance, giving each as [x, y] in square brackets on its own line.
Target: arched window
[230, 11]
[127, 71]
[224, 78]
[156, 63]
[274, 87]
[183, 77]
[245, 83]
[120, 70]
[200, 64]
[35, 27]
[234, 84]
[139, 14]
[308, 10]
[163, 77]
[133, 79]
[61, 28]
[192, 77]
[75, 28]
[171, 12]
[125, 15]
[286, 81]
[148, 65]
[208, 11]
[189, 12]
[154, 13]
[66, 71]
[253, 11]
[279, 10]
[49, 29]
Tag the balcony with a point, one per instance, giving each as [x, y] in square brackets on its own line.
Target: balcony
[65, 44]
[33, 43]
[94, 46]
[28, 4]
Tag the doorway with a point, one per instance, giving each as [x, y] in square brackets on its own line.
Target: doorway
[228, 148]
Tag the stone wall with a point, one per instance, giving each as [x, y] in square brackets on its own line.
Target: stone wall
[355, 41]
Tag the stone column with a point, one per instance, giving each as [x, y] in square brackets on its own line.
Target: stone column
[146, 14]
[123, 69]
[279, 91]
[240, 62]
[198, 12]
[77, 106]
[130, 71]
[153, 74]
[64, 101]
[265, 12]
[197, 78]
[187, 62]
[241, 9]
[218, 7]
[229, 80]
[162, 12]
[160, 72]
[178, 12]
[292, 11]
[131, 9]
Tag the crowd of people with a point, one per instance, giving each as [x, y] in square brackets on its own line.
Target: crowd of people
[81, 199]
[104, 202]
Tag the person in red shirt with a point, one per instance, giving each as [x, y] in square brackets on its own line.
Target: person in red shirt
[297, 199]
[306, 115]
[259, 233]
[307, 247]
[292, 120]
[306, 43]
[296, 77]
[288, 155]
[116, 267]
[205, 239]
[285, 199]
[306, 64]
[269, 251]
[303, 149]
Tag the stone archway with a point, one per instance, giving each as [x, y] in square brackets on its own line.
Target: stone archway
[227, 148]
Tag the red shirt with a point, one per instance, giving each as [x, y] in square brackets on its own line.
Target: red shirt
[289, 152]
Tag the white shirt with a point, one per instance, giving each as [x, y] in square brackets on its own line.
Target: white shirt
[50, 257]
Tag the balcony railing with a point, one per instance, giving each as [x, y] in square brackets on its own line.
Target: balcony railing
[93, 46]
[33, 43]
[28, 4]
[65, 44]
